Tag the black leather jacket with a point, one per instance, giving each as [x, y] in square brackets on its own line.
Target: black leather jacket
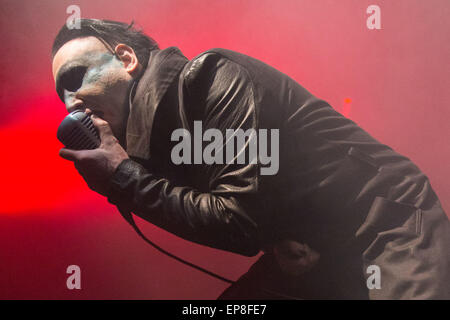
[330, 173]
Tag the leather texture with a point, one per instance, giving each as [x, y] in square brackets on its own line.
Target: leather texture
[331, 175]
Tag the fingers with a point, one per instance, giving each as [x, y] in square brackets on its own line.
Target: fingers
[104, 130]
[291, 249]
[76, 155]
[295, 258]
[69, 154]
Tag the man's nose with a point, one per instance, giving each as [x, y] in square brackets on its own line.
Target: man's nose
[73, 102]
[75, 105]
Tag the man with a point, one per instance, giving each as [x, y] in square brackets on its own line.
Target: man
[338, 204]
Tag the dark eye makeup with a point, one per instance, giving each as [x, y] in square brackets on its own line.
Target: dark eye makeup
[71, 80]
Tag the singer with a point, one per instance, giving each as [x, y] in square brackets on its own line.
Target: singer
[340, 203]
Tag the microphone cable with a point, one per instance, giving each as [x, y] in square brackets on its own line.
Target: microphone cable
[129, 218]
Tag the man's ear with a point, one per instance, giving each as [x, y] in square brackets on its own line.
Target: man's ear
[127, 55]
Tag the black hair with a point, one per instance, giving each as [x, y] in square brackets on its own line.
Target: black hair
[111, 32]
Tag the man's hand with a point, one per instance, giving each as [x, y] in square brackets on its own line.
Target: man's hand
[98, 165]
[295, 258]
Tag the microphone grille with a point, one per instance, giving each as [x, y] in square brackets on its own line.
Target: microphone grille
[77, 131]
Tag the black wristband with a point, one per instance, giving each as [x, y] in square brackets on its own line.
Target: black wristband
[119, 187]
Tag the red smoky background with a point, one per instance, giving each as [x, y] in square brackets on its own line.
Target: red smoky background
[393, 82]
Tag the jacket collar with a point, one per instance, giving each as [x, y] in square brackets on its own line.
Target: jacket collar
[163, 69]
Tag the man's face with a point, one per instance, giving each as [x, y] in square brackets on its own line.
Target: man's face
[88, 75]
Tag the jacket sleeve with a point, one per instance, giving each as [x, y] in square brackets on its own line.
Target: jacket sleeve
[224, 217]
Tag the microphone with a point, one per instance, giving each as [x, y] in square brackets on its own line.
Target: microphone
[78, 132]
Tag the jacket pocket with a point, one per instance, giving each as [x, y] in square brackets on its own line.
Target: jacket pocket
[389, 225]
[338, 191]
[326, 215]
